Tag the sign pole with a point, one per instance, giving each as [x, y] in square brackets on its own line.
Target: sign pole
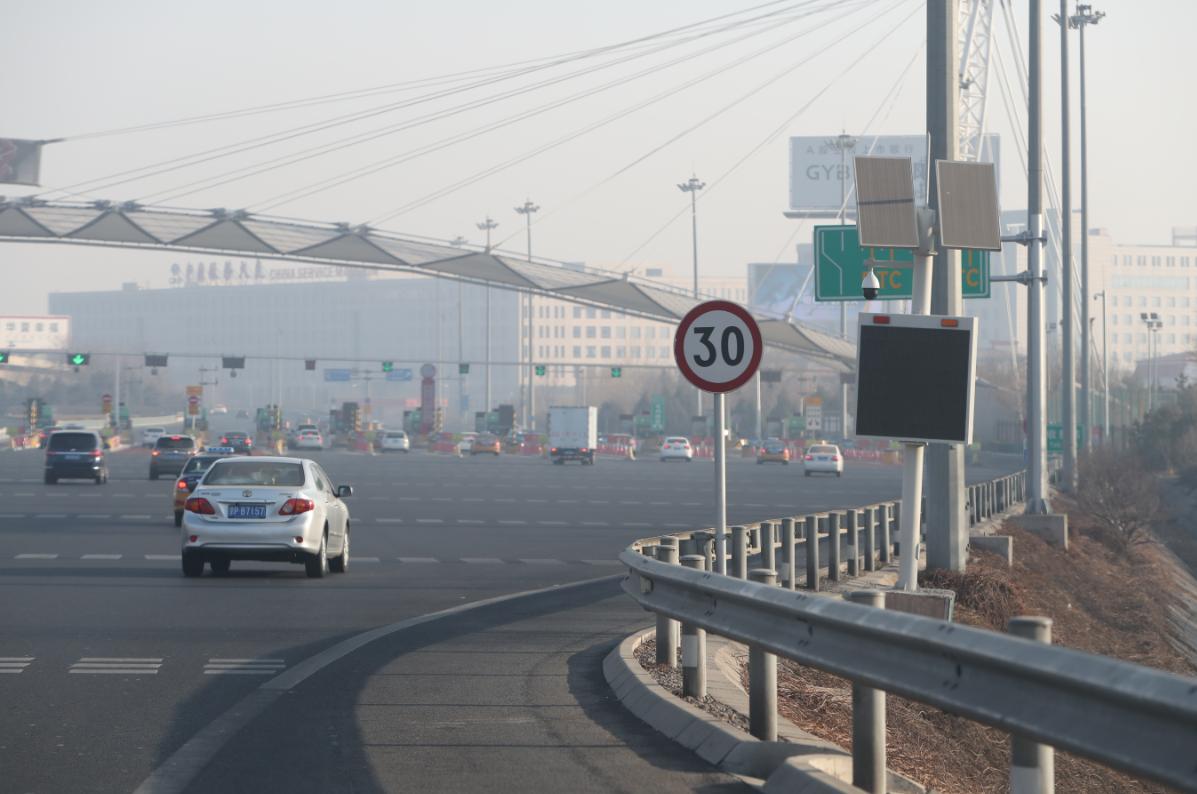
[912, 455]
[720, 486]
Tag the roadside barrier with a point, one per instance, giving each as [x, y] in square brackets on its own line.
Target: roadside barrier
[620, 449]
[1130, 717]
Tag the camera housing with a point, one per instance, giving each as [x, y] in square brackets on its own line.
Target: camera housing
[870, 286]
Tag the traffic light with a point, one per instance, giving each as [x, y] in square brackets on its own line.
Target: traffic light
[388, 366]
[309, 364]
[540, 369]
[5, 356]
[617, 372]
[154, 361]
[78, 359]
[463, 369]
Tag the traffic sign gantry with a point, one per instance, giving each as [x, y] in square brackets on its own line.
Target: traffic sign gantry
[718, 348]
[841, 264]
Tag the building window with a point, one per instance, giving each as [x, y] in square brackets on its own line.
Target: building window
[1142, 338]
[577, 312]
[577, 332]
[1155, 302]
[664, 352]
[1126, 261]
[635, 351]
[1155, 261]
[1184, 261]
[590, 351]
[651, 351]
[53, 328]
[650, 332]
[606, 351]
[606, 314]
[636, 332]
[1114, 320]
[38, 327]
[1142, 301]
[577, 351]
[606, 332]
[621, 333]
[590, 312]
[1170, 261]
[25, 327]
[621, 352]
[590, 332]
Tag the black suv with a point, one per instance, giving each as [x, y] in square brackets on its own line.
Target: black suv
[170, 454]
[75, 454]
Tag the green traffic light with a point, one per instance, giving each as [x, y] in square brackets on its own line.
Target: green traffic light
[388, 366]
[78, 359]
[540, 369]
[617, 372]
[4, 356]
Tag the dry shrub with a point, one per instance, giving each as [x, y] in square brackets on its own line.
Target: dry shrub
[985, 594]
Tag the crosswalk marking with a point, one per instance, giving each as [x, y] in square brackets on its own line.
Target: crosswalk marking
[112, 665]
[36, 557]
[14, 665]
[218, 666]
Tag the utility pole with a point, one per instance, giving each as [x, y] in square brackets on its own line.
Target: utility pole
[1105, 370]
[845, 143]
[1085, 15]
[526, 210]
[486, 226]
[947, 529]
[1068, 369]
[692, 186]
[1037, 496]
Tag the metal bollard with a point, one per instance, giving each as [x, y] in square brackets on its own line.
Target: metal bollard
[694, 646]
[853, 542]
[886, 531]
[870, 549]
[769, 545]
[739, 566]
[1032, 765]
[833, 547]
[762, 679]
[791, 555]
[812, 553]
[868, 719]
[667, 628]
[704, 545]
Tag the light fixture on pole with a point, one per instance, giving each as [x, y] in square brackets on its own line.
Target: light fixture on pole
[530, 406]
[1154, 324]
[692, 186]
[486, 226]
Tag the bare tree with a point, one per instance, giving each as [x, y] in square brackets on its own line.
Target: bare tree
[1119, 493]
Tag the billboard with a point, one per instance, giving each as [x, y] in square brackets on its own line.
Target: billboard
[20, 161]
[815, 169]
[35, 332]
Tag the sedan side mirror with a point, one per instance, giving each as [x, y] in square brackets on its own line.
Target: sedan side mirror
[344, 490]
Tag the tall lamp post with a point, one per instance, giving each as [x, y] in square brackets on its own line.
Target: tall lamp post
[458, 242]
[1105, 370]
[526, 209]
[845, 143]
[692, 186]
[1154, 324]
[486, 226]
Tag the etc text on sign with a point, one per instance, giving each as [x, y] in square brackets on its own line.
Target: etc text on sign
[841, 264]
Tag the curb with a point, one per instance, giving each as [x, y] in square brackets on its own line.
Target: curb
[803, 764]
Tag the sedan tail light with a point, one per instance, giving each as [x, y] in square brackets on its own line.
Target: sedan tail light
[224, 441]
[200, 505]
[181, 485]
[96, 453]
[154, 453]
[293, 507]
[810, 457]
[835, 458]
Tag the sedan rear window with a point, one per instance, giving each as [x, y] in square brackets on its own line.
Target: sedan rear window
[198, 464]
[175, 442]
[250, 472]
[677, 441]
[73, 442]
[823, 450]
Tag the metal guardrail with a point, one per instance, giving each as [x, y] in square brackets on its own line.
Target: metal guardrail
[1137, 719]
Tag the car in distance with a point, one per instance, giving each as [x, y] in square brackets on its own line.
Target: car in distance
[676, 448]
[299, 429]
[189, 477]
[149, 435]
[486, 444]
[268, 509]
[170, 454]
[773, 450]
[308, 439]
[466, 443]
[824, 459]
[393, 441]
[75, 454]
[242, 443]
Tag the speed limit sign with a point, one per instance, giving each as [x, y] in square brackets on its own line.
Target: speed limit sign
[718, 346]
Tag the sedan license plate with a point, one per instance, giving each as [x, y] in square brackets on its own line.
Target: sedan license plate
[247, 511]
[74, 457]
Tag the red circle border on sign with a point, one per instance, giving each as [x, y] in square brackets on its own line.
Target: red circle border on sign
[679, 342]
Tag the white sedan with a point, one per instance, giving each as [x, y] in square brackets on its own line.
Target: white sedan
[266, 509]
[676, 448]
[308, 439]
[150, 436]
[393, 441]
[466, 443]
[824, 458]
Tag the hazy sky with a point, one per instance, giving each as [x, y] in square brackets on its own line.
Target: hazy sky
[74, 68]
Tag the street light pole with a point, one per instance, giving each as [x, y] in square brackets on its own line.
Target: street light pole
[692, 186]
[1037, 501]
[486, 226]
[1105, 370]
[1086, 16]
[845, 143]
[457, 242]
[1068, 369]
[530, 406]
[1154, 323]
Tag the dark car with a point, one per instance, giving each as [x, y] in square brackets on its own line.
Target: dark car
[170, 454]
[242, 443]
[75, 454]
[194, 469]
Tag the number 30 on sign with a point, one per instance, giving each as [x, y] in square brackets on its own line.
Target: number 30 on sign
[718, 346]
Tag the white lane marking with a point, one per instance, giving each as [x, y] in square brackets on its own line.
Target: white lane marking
[409, 498]
[482, 560]
[123, 495]
[630, 503]
[513, 523]
[101, 557]
[636, 524]
[503, 500]
[366, 559]
[598, 502]
[567, 501]
[136, 659]
[470, 521]
[14, 665]
[49, 515]
[36, 557]
[389, 520]
[376, 498]
[217, 666]
[135, 516]
[418, 559]
[553, 523]
[162, 556]
[662, 504]
[105, 665]
[536, 501]
[430, 521]
[12, 515]
[595, 524]
[440, 499]
[22, 493]
[540, 561]
[473, 499]
[94, 515]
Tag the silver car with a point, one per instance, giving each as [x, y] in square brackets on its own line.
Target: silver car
[267, 509]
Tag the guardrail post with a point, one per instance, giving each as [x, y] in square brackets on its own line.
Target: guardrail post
[739, 567]
[769, 545]
[870, 549]
[895, 546]
[1032, 765]
[972, 505]
[886, 531]
[791, 544]
[694, 645]
[833, 547]
[762, 679]
[853, 516]
[868, 719]
[667, 628]
[812, 553]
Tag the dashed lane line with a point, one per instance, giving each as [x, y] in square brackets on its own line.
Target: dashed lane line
[108, 665]
[101, 557]
[366, 559]
[419, 560]
[216, 666]
[540, 561]
[595, 524]
[482, 560]
[162, 557]
[135, 517]
[513, 523]
[36, 557]
[388, 520]
[49, 515]
[553, 523]
[430, 520]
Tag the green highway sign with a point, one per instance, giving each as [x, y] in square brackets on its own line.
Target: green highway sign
[1055, 437]
[841, 264]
